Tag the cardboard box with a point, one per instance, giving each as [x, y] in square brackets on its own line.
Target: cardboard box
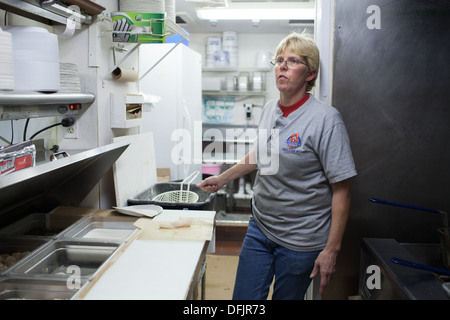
[138, 27]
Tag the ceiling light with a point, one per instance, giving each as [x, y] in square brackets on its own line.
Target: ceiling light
[260, 11]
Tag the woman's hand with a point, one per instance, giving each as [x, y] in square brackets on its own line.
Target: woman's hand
[326, 265]
[340, 207]
[215, 183]
[211, 184]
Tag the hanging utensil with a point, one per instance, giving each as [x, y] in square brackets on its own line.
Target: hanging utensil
[404, 205]
[415, 265]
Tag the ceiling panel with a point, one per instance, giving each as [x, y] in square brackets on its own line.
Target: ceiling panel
[186, 11]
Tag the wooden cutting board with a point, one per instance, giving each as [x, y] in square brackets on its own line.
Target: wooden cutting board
[135, 170]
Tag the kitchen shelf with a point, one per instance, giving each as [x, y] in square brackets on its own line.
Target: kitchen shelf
[222, 72]
[8, 98]
[51, 13]
[233, 69]
[19, 105]
[214, 93]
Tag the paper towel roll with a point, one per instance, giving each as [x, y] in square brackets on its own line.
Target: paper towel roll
[66, 31]
[125, 75]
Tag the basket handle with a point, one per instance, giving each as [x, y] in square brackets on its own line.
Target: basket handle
[189, 178]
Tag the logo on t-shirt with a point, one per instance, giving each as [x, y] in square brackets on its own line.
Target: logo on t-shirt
[293, 142]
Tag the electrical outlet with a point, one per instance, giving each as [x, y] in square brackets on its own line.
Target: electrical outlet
[72, 131]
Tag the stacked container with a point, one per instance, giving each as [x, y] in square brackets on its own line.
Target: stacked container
[213, 45]
[230, 45]
[222, 52]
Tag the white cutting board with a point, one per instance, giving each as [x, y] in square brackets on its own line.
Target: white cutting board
[135, 170]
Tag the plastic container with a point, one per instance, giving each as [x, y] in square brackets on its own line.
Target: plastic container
[54, 259]
[211, 169]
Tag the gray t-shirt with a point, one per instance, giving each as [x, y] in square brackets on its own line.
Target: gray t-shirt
[298, 158]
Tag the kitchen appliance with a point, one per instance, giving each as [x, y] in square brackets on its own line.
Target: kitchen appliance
[205, 200]
[175, 121]
[395, 282]
[444, 232]
[137, 185]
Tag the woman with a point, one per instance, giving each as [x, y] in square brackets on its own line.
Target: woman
[301, 203]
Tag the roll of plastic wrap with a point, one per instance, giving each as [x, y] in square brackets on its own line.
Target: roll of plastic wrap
[154, 6]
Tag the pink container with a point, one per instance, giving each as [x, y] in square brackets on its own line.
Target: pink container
[212, 169]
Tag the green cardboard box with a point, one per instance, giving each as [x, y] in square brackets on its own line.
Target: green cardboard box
[138, 27]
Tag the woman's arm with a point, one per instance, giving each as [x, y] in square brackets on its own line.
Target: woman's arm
[214, 183]
[340, 207]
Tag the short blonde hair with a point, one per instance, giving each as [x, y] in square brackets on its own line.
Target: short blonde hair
[305, 47]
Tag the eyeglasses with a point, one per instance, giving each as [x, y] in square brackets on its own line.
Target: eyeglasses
[292, 63]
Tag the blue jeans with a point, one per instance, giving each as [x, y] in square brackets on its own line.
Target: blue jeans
[261, 259]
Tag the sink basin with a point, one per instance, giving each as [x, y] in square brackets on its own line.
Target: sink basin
[54, 259]
[40, 289]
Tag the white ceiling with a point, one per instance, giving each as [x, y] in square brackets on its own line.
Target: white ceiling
[186, 10]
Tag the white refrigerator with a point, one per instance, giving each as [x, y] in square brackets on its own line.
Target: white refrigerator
[176, 120]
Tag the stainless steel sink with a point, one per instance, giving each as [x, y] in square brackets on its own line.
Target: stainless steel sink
[12, 288]
[55, 258]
